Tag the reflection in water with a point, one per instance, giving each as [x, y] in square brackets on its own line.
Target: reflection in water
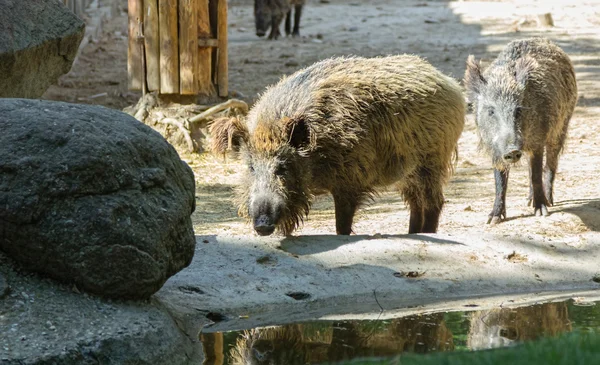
[327, 341]
[312, 343]
[212, 345]
[501, 327]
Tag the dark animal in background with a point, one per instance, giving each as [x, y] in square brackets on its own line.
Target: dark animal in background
[523, 103]
[270, 13]
[347, 126]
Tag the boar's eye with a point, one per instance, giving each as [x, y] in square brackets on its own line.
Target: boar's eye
[491, 112]
[280, 170]
[517, 112]
[250, 168]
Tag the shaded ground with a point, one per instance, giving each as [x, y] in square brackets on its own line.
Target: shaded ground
[443, 32]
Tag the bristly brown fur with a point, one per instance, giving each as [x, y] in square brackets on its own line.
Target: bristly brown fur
[358, 124]
[228, 134]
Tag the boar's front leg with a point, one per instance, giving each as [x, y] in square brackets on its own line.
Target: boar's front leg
[345, 207]
[297, 16]
[499, 211]
[275, 23]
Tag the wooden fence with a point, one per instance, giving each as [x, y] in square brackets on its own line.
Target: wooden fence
[178, 46]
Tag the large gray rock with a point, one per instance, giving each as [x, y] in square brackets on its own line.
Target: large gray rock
[90, 195]
[38, 43]
[43, 322]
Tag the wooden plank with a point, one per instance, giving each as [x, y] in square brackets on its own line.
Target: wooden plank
[188, 46]
[152, 43]
[222, 57]
[212, 42]
[169, 54]
[134, 57]
[205, 86]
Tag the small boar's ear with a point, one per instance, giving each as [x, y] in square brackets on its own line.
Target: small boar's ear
[473, 80]
[523, 68]
[228, 133]
[298, 132]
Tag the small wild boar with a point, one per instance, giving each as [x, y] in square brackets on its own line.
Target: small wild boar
[523, 103]
[347, 126]
[270, 13]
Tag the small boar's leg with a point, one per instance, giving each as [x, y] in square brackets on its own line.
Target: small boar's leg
[275, 23]
[345, 207]
[297, 15]
[288, 22]
[540, 203]
[499, 211]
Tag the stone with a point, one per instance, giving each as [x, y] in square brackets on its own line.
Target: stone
[38, 43]
[3, 286]
[59, 326]
[91, 196]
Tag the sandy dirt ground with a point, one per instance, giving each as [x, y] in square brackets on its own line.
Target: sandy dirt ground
[445, 33]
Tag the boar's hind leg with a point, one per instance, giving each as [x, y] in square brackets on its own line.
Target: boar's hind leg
[540, 203]
[415, 224]
[499, 211]
[345, 207]
[553, 149]
[426, 206]
[432, 211]
[552, 152]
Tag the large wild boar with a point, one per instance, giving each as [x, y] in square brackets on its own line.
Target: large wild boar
[347, 126]
[270, 13]
[523, 103]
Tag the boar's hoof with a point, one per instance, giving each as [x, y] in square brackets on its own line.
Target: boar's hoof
[263, 226]
[541, 211]
[494, 220]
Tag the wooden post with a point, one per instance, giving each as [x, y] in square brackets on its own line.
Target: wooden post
[204, 69]
[151, 42]
[134, 58]
[188, 47]
[222, 59]
[169, 55]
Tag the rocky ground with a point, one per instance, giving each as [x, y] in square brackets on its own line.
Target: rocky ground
[443, 32]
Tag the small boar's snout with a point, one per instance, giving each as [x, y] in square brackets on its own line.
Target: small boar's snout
[260, 33]
[513, 156]
[263, 225]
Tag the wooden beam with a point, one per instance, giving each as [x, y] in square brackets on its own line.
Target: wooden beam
[204, 70]
[134, 57]
[188, 47]
[222, 58]
[169, 44]
[152, 44]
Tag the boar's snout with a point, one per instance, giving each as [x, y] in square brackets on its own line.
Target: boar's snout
[261, 33]
[265, 212]
[512, 156]
[263, 225]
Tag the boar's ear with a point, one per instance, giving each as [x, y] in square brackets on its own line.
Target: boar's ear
[523, 68]
[473, 80]
[298, 132]
[227, 134]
